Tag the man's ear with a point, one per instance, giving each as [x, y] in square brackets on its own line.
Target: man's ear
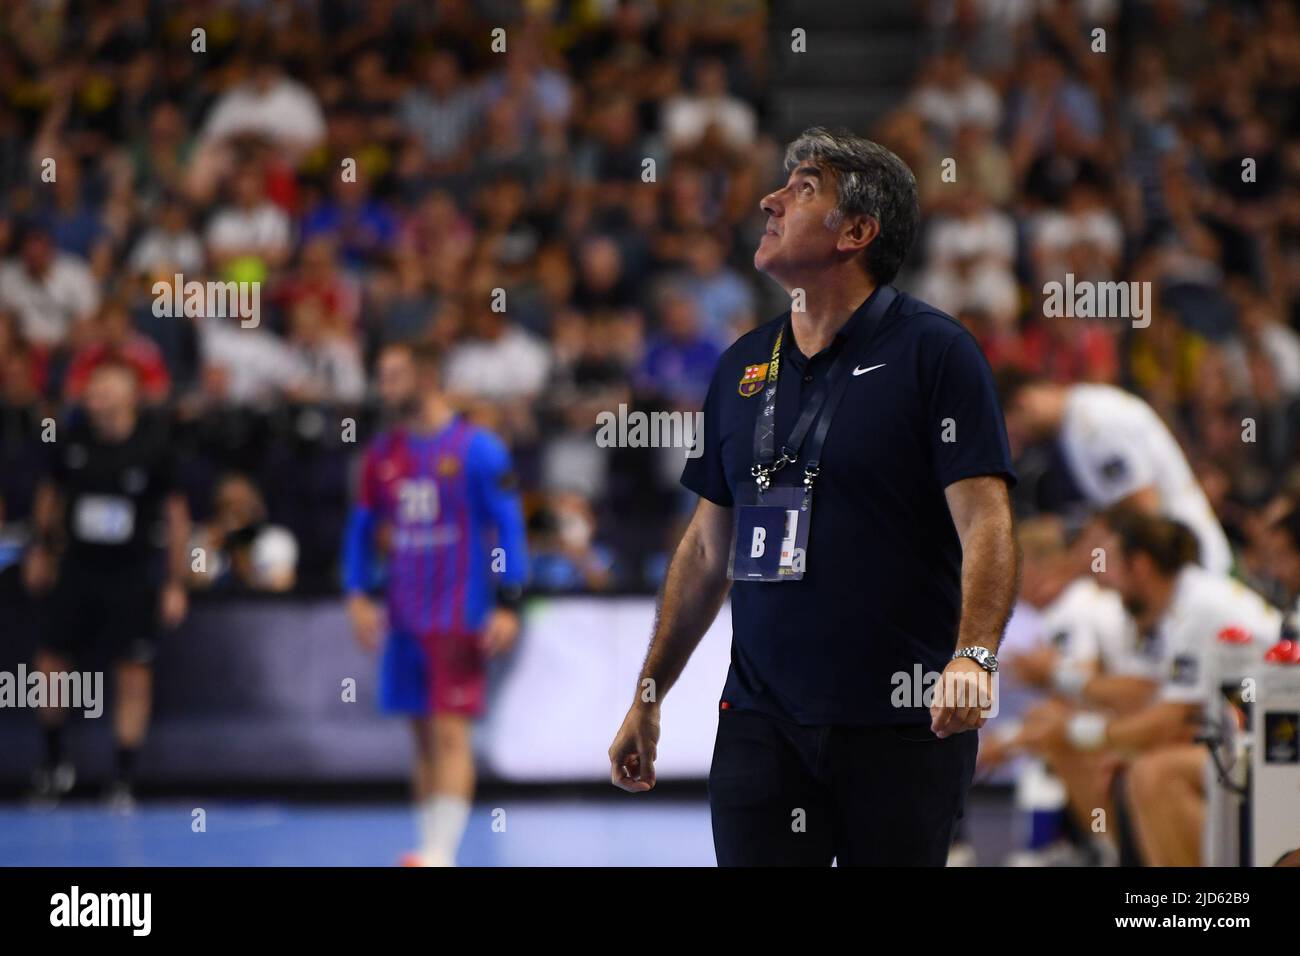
[858, 232]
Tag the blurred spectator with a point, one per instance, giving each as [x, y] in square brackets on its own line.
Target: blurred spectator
[689, 116]
[970, 253]
[266, 102]
[541, 95]
[724, 301]
[442, 110]
[171, 245]
[361, 226]
[112, 339]
[950, 97]
[250, 227]
[51, 292]
[603, 283]
[498, 360]
[320, 282]
[241, 550]
[247, 366]
[333, 370]
[680, 359]
[402, 298]
[563, 555]
[23, 367]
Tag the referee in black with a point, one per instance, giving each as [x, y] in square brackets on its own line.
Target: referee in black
[853, 486]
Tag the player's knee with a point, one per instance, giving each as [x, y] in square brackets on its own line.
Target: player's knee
[1145, 778]
[450, 736]
[133, 678]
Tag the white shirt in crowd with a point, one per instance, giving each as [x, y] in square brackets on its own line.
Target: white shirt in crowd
[264, 228]
[1202, 635]
[1055, 232]
[975, 102]
[685, 118]
[968, 265]
[47, 307]
[287, 110]
[513, 365]
[161, 249]
[334, 369]
[258, 364]
[1115, 445]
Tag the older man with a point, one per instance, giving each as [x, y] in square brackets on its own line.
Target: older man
[853, 500]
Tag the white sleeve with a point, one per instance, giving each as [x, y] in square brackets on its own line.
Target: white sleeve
[1114, 465]
[1186, 677]
[223, 120]
[85, 292]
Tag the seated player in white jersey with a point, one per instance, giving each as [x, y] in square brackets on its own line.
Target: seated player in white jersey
[1183, 611]
[1078, 625]
[1167, 787]
[1089, 654]
[1118, 452]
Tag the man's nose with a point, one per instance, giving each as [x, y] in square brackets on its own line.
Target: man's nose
[770, 204]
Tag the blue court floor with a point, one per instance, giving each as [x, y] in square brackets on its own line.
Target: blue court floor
[536, 833]
[506, 831]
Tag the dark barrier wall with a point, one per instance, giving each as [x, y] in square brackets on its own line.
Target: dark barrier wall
[248, 690]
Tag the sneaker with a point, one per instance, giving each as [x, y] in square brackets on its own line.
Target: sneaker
[961, 854]
[119, 798]
[418, 858]
[51, 784]
[1060, 853]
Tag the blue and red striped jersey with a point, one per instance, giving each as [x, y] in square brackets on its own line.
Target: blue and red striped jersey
[441, 505]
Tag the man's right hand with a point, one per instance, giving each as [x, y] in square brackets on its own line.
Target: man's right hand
[367, 621]
[632, 754]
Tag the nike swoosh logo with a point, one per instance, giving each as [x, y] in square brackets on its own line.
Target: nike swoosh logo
[864, 371]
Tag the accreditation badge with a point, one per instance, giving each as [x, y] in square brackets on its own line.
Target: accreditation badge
[769, 540]
[103, 519]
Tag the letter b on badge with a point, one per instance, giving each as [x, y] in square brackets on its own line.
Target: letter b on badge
[751, 558]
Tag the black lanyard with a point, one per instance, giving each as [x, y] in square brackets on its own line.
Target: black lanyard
[766, 462]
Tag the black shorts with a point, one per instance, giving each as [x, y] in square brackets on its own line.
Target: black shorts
[782, 794]
[100, 612]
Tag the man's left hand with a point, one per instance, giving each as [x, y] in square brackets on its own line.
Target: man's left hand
[963, 698]
[500, 632]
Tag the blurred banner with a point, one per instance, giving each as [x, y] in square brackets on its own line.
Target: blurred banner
[253, 691]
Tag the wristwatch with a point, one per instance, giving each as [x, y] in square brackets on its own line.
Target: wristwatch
[981, 656]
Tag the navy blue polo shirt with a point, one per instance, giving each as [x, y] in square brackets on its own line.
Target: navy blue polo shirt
[881, 593]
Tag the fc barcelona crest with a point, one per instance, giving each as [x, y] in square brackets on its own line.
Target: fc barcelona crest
[751, 383]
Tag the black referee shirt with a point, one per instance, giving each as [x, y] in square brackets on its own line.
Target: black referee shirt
[881, 594]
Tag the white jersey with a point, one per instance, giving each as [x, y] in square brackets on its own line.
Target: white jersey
[1214, 629]
[1115, 445]
[1085, 622]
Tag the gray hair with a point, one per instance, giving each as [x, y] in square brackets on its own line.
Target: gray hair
[869, 181]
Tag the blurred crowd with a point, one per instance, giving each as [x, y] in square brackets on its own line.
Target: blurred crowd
[381, 170]
[1153, 141]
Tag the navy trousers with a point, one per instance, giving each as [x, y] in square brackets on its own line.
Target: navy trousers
[782, 794]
